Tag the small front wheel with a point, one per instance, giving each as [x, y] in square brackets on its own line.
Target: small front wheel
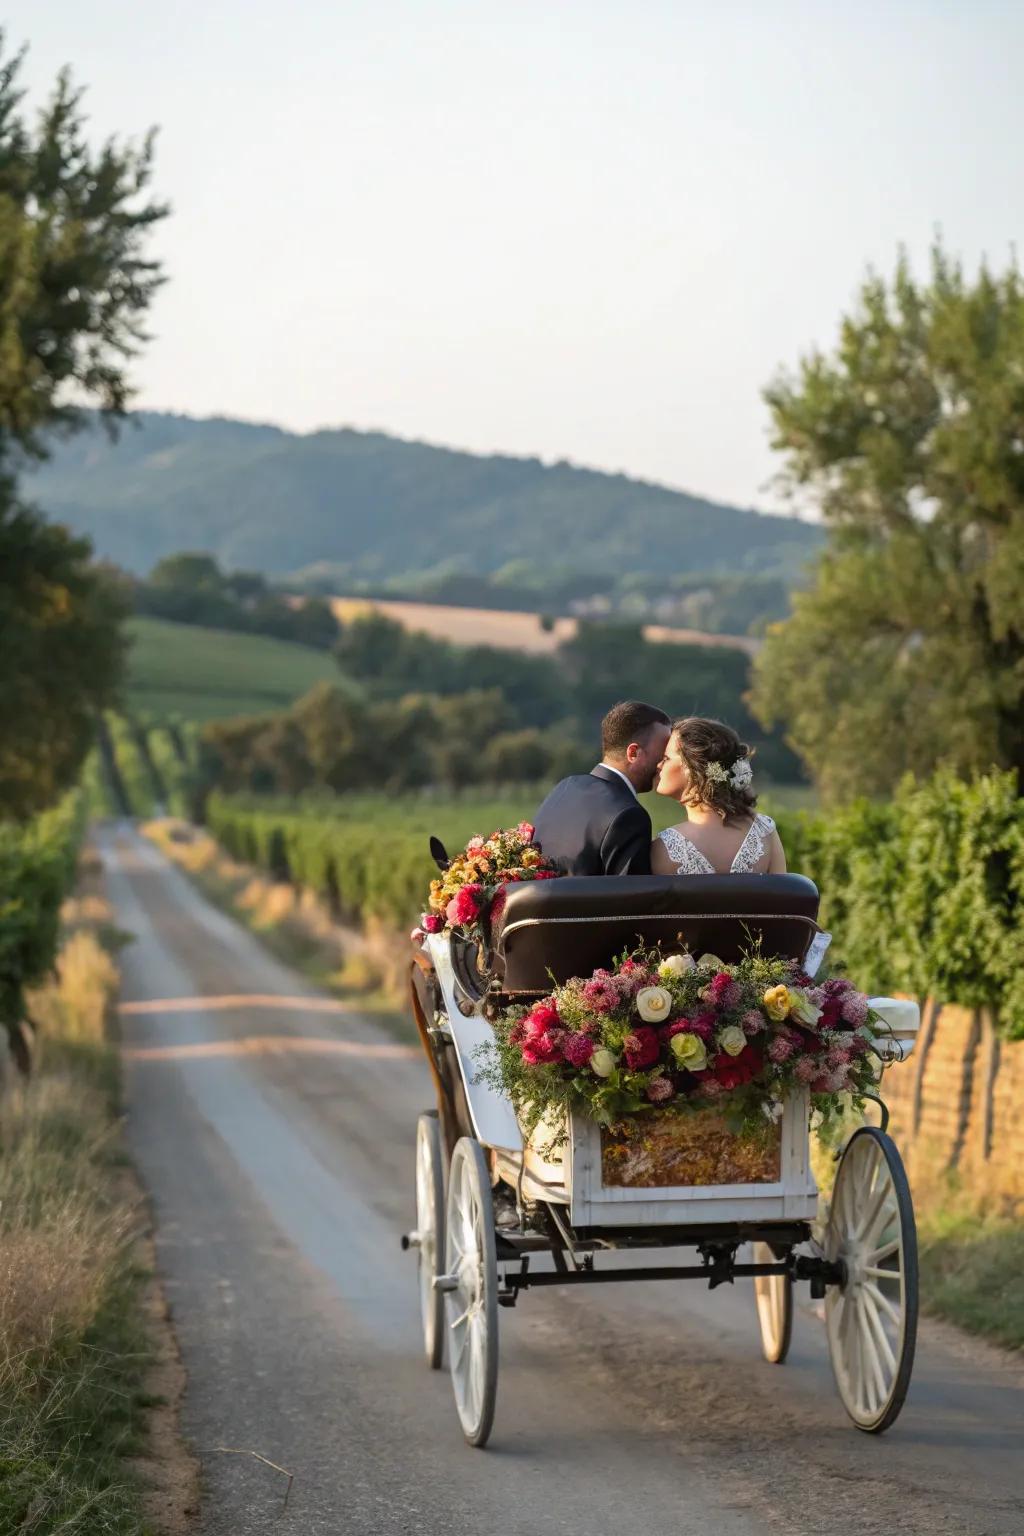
[430, 1233]
[774, 1295]
[471, 1291]
[871, 1318]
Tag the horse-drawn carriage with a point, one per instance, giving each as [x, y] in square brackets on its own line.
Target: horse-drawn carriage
[490, 1200]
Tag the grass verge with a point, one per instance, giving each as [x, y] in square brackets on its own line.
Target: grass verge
[73, 1349]
[972, 1272]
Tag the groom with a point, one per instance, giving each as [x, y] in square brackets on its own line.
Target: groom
[592, 823]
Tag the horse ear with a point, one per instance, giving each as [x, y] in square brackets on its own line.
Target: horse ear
[439, 853]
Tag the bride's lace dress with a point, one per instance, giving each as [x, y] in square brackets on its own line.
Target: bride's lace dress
[690, 860]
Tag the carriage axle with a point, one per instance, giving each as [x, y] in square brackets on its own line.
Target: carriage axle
[718, 1268]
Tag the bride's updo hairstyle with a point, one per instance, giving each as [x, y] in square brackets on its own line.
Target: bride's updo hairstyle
[711, 751]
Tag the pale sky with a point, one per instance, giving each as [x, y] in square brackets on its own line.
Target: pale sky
[581, 229]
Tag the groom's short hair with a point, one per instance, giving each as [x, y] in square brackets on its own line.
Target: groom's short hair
[627, 721]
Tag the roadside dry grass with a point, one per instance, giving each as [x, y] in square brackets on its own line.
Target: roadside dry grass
[972, 1270]
[74, 1350]
[364, 968]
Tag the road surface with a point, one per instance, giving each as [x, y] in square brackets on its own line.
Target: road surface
[274, 1131]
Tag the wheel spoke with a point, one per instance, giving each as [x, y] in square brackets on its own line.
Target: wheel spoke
[877, 1327]
[886, 1251]
[882, 1303]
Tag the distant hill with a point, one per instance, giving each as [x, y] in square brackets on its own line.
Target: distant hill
[209, 674]
[259, 498]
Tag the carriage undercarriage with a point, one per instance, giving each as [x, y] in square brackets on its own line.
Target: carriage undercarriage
[491, 1208]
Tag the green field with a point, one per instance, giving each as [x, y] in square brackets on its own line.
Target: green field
[193, 673]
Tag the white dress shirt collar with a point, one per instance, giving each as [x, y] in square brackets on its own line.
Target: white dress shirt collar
[622, 776]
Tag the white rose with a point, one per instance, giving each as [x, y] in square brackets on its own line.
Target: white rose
[677, 965]
[732, 1040]
[654, 1004]
[711, 963]
[603, 1062]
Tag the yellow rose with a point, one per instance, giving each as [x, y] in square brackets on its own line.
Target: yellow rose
[777, 1002]
[530, 858]
[654, 1004]
[690, 1051]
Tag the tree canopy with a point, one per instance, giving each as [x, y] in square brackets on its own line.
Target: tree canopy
[75, 285]
[908, 650]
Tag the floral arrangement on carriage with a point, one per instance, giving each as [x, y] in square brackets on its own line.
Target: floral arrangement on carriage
[470, 894]
[662, 1038]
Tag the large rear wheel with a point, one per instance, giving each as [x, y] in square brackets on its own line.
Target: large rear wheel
[871, 1318]
[471, 1291]
[430, 1233]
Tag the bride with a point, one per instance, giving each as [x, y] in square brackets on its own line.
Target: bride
[707, 769]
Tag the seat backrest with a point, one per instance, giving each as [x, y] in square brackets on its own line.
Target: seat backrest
[553, 929]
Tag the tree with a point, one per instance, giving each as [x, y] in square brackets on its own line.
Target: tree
[74, 282]
[61, 655]
[909, 648]
[74, 286]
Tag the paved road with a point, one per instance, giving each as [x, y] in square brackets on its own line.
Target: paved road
[275, 1133]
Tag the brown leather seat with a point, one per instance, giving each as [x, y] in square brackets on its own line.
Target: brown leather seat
[569, 927]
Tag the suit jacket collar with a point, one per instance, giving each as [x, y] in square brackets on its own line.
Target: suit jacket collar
[612, 776]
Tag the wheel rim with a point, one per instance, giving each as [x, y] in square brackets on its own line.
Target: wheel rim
[774, 1295]
[471, 1307]
[429, 1225]
[871, 1318]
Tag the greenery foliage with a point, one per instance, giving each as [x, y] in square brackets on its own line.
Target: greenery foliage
[908, 650]
[37, 863]
[192, 589]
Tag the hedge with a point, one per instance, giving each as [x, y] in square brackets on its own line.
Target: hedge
[923, 894]
[37, 866]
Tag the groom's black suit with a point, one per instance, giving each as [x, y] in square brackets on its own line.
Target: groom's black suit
[593, 824]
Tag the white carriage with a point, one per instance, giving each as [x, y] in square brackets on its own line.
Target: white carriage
[488, 1200]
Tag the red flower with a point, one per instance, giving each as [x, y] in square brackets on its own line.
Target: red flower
[540, 1051]
[704, 1025]
[498, 903]
[641, 1048]
[544, 1015]
[734, 1071]
[432, 922]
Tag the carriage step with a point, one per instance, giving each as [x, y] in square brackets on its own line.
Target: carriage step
[446, 1283]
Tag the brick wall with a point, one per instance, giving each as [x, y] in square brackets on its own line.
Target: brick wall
[956, 1105]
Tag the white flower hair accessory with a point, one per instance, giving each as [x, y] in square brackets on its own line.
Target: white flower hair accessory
[738, 776]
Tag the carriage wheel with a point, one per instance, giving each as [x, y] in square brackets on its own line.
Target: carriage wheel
[774, 1295]
[430, 1232]
[471, 1302]
[871, 1318]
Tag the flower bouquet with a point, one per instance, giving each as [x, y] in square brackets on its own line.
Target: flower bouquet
[470, 894]
[679, 1034]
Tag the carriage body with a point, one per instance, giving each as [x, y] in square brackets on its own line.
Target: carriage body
[574, 1192]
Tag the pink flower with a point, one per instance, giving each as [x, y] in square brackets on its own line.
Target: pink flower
[475, 845]
[517, 1034]
[577, 1049]
[546, 874]
[806, 1069]
[675, 1027]
[465, 905]
[704, 1025]
[753, 1022]
[601, 994]
[659, 1089]
[540, 1051]
[525, 830]
[641, 1048]
[498, 901]
[545, 1014]
[855, 1009]
[710, 1089]
[836, 986]
[780, 1049]
[723, 992]
[837, 1057]
[432, 922]
[417, 935]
